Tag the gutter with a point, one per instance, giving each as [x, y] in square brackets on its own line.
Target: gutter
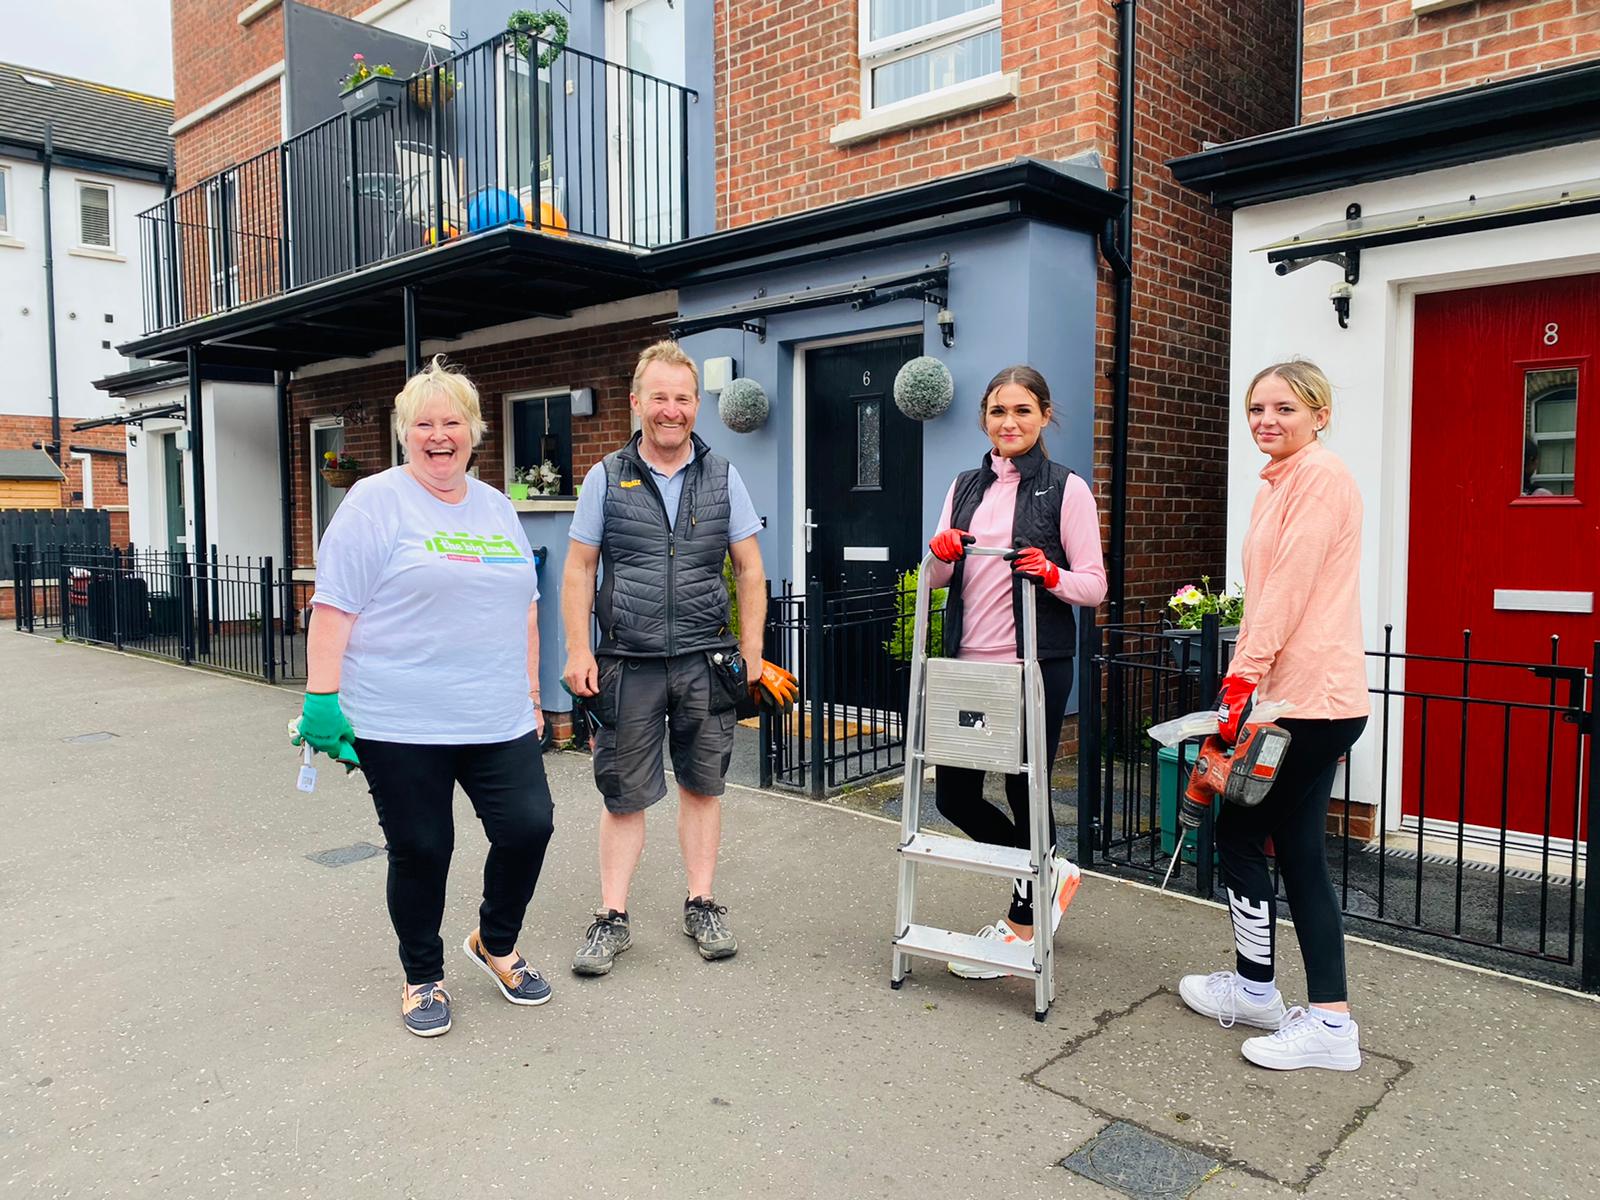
[50, 299]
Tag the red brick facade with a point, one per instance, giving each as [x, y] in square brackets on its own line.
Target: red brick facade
[1367, 54]
[110, 470]
[601, 357]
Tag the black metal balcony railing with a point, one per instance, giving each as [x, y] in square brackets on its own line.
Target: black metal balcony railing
[514, 131]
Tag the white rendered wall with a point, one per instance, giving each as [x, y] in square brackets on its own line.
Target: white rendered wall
[1370, 363]
[243, 499]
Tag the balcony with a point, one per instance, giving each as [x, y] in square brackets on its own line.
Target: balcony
[511, 144]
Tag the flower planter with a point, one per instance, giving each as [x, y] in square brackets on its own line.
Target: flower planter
[517, 491]
[372, 96]
[1183, 647]
[340, 477]
[422, 89]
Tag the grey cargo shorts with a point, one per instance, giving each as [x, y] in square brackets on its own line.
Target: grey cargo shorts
[647, 702]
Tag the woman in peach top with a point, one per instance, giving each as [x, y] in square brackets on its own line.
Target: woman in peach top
[1301, 642]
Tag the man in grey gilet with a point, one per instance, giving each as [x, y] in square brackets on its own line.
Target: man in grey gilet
[661, 514]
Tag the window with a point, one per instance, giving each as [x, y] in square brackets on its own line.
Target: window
[540, 430]
[5, 200]
[527, 119]
[912, 48]
[869, 445]
[327, 433]
[1550, 431]
[94, 216]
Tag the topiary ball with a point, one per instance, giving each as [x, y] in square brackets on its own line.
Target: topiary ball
[743, 406]
[923, 388]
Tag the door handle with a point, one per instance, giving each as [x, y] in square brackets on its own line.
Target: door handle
[809, 525]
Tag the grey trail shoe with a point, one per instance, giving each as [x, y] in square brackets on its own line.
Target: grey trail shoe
[426, 1011]
[606, 938]
[703, 921]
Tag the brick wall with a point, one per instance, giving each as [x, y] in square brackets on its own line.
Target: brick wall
[1367, 54]
[602, 358]
[110, 473]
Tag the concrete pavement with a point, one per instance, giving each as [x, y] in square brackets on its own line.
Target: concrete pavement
[194, 1006]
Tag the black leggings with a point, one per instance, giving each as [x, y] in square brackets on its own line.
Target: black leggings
[1295, 816]
[413, 787]
[960, 789]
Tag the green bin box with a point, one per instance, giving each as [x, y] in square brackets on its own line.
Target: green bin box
[1172, 779]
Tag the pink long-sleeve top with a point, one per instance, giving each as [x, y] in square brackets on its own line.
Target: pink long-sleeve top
[1301, 636]
[990, 632]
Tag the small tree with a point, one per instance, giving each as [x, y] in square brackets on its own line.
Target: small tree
[732, 585]
[899, 644]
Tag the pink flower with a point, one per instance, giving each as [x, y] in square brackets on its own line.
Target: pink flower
[358, 57]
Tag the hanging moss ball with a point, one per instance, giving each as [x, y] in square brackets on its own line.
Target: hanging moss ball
[923, 388]
[743, 406]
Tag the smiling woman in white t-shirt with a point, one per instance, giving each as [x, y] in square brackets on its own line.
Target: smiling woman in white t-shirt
[423, 668]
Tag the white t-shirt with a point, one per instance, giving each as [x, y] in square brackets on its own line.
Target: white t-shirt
[439, 652]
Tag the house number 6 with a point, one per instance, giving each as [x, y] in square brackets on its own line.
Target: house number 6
[866, 379]
[1552, 334]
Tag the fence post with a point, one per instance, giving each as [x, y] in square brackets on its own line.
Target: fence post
[1088, 736]
[813, 684]
[186, 620]
[1591, 871]
[1205, 837]
[65, 584]
[269, 661]
[763, 713]
[116, 597]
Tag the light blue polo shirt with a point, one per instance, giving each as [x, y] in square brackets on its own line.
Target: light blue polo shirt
[589, 520]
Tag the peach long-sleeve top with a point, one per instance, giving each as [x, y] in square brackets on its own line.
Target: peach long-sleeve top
[1301, 637]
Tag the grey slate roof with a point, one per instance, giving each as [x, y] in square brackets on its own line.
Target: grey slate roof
[89, 120]
[27, 464]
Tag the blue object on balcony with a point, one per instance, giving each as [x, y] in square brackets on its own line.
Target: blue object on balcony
[491, 207]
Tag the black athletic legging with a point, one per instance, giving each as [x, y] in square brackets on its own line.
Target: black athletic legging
[960, 790]
[1295, 816]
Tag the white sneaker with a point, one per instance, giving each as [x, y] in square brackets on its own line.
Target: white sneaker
[1304, 1041]
[1068, 877]
[1218, 995]
[1000, 932]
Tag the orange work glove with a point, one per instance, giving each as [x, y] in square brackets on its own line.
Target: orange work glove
[774, 687]
[950, 544]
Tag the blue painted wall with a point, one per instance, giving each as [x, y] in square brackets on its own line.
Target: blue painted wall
[550, 531]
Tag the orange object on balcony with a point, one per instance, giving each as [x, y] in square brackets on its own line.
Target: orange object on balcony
[550, 219]
[432, 236]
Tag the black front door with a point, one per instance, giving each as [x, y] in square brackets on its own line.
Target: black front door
[863, 465]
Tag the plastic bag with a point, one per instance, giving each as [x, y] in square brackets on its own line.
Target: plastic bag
[1204, 723]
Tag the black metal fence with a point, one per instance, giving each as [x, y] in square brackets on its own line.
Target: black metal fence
[226, 612]
[516, 131]
[850, 649]
[1489, 763]
[42, 527]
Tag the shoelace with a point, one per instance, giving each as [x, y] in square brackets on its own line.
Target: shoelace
[1221, 984]
[426, 997]
[597, 932]
[1293, 1020]
[711, 916]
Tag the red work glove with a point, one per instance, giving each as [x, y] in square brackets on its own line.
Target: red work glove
[950, 544]
[1030, 561]
[774, 687]
[1234, 703]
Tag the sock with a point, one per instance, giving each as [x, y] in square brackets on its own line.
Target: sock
[1258, 991]
[1339, 1022]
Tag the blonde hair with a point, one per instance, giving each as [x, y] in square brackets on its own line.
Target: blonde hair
[1305, 380]
[437, 379]
[668, 352]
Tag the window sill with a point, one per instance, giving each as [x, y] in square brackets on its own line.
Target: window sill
[546, 504]
[96, 252]
[980, 93]
[7, 240]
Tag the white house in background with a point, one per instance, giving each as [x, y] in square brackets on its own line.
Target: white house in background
[1440, 259]
[105, 155]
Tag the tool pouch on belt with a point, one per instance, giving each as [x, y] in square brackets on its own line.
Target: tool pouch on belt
[730, 685]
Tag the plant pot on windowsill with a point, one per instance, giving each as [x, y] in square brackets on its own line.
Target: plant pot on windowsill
[517, 491]
[1183, 646]
[340, 477]
[372, 96]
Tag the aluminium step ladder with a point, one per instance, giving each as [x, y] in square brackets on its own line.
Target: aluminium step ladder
[978, 715]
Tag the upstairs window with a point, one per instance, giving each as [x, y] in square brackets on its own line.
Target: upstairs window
[94, 216]
[5, 200]
[916, 48]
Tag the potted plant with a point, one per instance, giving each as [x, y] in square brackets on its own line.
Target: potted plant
[422, 86]
[521, 479]
[1192, 604]
[339, 469]
[367, 90]
[530, 27]
[545, 479]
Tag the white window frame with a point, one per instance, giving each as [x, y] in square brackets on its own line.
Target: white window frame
[881, 52]
[111, 215]
[315, 424]
[5, 202]
[508, 451]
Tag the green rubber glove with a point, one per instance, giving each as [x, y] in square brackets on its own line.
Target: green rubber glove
[324, 725]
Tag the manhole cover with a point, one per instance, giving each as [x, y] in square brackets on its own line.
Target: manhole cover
[83, 739]
[1125, 1157]
[343, 856]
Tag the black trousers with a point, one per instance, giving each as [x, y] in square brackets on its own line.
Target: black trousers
[960, 789]
[1295, 816]
[412, 788]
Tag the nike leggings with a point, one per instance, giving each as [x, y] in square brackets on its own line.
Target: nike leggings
[1295, 816]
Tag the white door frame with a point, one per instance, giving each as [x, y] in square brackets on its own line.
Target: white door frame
[621, 209]
[312, 426]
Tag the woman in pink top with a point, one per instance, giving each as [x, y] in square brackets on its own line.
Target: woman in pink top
[1016, 497]
[1300, 642]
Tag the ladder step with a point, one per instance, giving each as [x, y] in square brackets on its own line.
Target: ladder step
[1015, 958]
[970, 856]
[933, 758]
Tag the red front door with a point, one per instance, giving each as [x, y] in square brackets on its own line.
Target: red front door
[1504, 543]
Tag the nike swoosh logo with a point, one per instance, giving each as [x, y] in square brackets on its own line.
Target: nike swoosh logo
[1051, 488]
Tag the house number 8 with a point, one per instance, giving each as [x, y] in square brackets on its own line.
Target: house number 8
[866, 379]
[1552, 334]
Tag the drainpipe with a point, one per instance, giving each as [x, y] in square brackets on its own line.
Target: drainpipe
[285, 467]
[1299, 56]
[50, 300]
[1119, 252]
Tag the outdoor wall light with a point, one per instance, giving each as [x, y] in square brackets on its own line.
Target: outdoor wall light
[582, 402]
[1340, 294]
[947, 327]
